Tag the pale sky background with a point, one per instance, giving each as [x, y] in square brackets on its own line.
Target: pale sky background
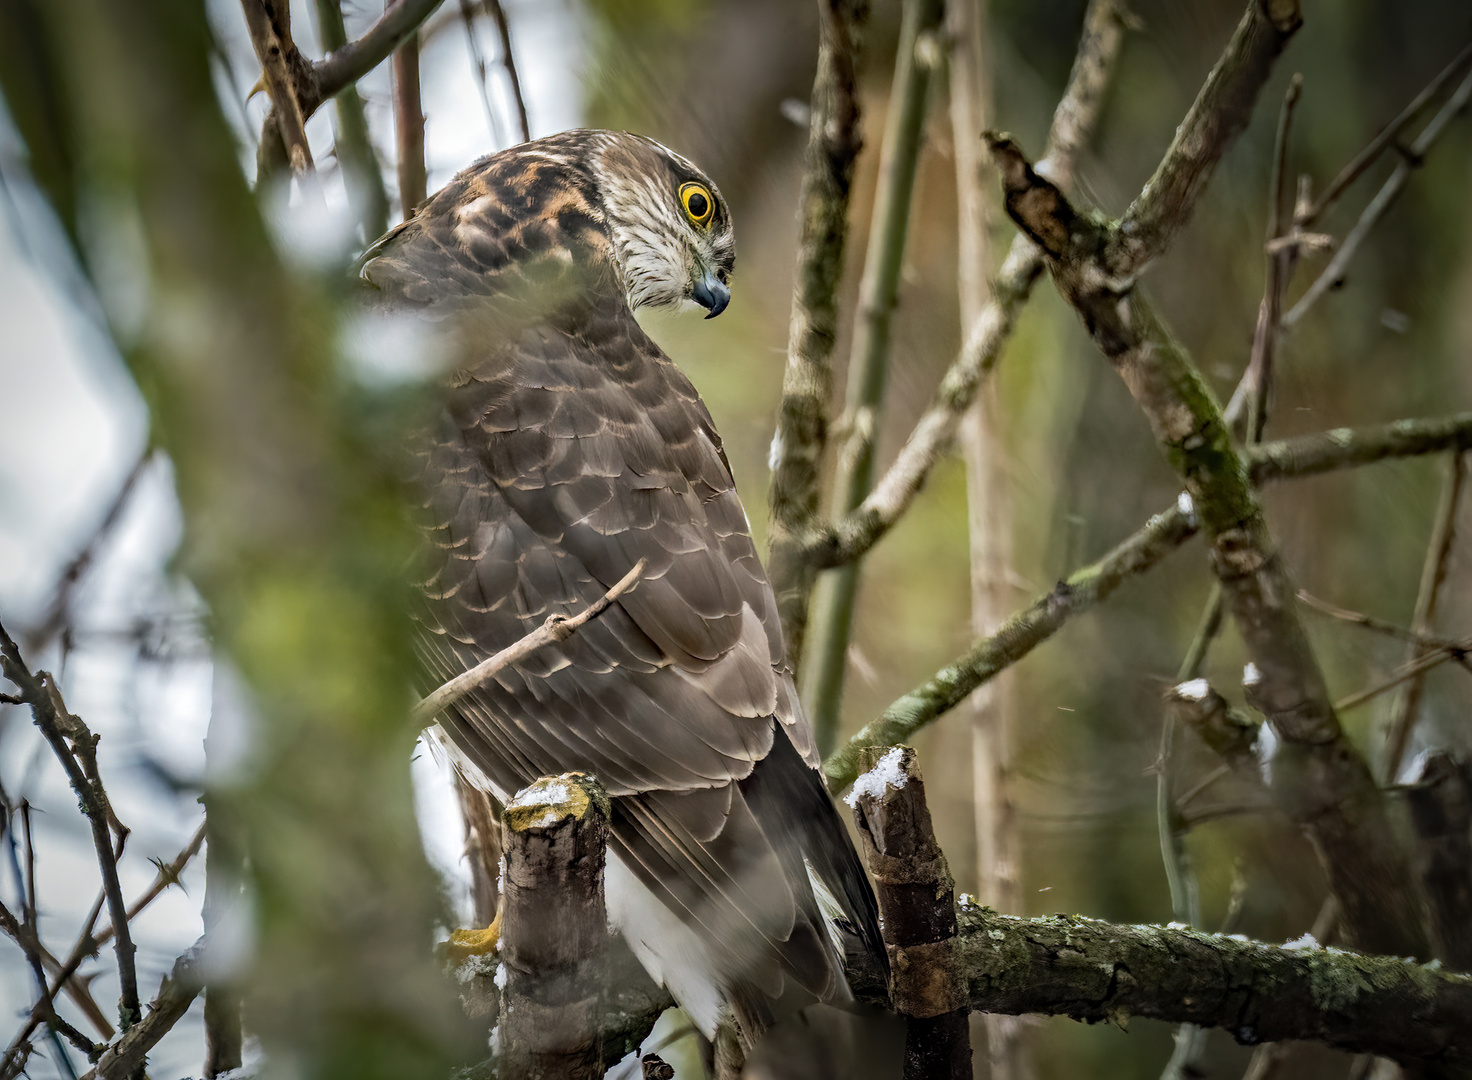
[71, 427]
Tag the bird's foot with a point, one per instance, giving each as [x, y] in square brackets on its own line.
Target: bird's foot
[464, 944]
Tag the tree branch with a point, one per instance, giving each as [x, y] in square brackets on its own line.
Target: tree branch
[409, 127]
[1219, 114]
[343, 67]
[556, 628]
[175, 994]
[361, 172]
[1307, 455]
[1097, 971]
[1320, 780]
[917, 906]
[508, 61]
[269, 22]
[801, 437]
[59, 727]
[1073, 123]
[868, 370]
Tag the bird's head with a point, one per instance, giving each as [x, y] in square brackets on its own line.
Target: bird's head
[670, 230]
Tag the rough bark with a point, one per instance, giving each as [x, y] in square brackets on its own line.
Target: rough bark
[1096, 971]
[917, 906]
[554, 929]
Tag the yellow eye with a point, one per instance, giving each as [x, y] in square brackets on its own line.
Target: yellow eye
[698, 202]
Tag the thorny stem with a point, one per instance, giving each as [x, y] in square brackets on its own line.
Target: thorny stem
[80, 763]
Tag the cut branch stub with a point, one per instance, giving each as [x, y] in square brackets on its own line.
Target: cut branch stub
[917, 904]
[554, 929]
[1230, 732]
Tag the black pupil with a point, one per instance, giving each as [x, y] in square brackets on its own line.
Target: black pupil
[698, 205]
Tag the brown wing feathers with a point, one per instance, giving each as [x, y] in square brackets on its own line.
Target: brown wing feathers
[571, 449]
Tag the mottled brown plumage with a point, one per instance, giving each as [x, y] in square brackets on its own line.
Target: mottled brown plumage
[570, 448]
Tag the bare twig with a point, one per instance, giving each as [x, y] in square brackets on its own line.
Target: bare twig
[1289, 458]
[269, 22]
[1332, 276]
[1383, 141]
[58, 611]
[556, 628]
[802, 419]
[1379, 626]
[868, 369]
[508, 61]
[345, 66]
[167, 875]
[24, 935]
[1433, 574]
[478, 61]
[1218, 115]
[175, 993]
[361, 173]
[1408, 671]
[409, 127]
[1073, 123]
[80, 763]
[1339, 804]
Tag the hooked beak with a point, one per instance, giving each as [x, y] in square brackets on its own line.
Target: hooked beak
[711, 294]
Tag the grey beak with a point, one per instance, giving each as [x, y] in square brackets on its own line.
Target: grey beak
[710, 294]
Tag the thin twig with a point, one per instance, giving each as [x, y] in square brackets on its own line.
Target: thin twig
[345, 66]
[556, 628]
[409, 127]
[1308, 455]
[1381, 142]
[478, 61]
[79, 761]
[361, 172]
[58, 611]
[167, 875]
[1433, 575]
[508, 61]
[1332, 275]
[1406, 672]
[1379, 626]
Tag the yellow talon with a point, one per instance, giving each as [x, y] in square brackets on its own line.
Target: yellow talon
[464, 944]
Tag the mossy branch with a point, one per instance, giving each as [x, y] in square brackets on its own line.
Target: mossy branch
[1321, 780]
[1307, 455]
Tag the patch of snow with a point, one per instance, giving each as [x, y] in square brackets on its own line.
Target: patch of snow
[1186, 506]
[886, 772]
[1251, 676]
[1195, 690]
[1299, 944]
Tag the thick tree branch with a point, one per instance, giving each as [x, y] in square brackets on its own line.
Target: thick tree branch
[1097, 971]
[1307, 455]
[807, 383]
[1073, 123]
[1320, 779]
[1219, 114]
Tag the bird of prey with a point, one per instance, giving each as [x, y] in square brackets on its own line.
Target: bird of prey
[570, 447]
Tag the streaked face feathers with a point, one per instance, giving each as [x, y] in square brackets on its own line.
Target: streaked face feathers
[580, 200]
